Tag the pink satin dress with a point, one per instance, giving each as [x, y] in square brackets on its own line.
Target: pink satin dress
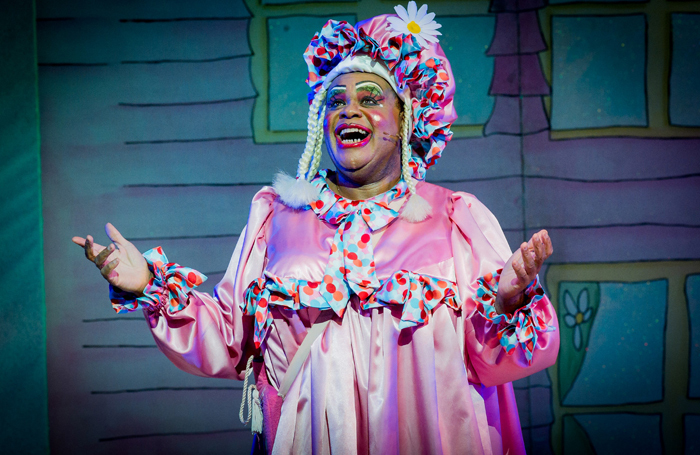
[368, 387]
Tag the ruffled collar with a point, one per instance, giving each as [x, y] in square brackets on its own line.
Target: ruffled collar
[351, 268]
[334, 208]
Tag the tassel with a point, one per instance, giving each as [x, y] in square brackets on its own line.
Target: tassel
[256, 424]
[251, 398]
[416, 209]
[295, 193]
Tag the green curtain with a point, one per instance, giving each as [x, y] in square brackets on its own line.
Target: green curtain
[23, 414]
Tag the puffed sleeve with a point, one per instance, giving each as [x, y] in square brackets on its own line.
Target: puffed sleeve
[203, 334]
[500, 348]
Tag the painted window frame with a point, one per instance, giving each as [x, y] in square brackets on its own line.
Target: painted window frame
[658, 63]
[676, 402]
[362, 9]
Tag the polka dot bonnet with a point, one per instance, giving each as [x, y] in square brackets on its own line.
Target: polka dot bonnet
[403, 49]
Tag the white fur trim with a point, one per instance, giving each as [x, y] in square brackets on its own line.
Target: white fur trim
[294, 193]
[416, 209]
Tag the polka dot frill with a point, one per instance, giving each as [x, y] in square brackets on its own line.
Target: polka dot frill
[520, 327]
[351, 268]
[169, 287]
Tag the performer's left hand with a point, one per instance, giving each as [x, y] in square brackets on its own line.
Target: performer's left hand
[520, 270]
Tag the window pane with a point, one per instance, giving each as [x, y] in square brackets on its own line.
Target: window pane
[685, 70]
[623, 358]
[555, 2]
[598, 71]
[692, 292]
[289, 2]
[288, 38]
[612, 434]
[692, 434]
[465, 41]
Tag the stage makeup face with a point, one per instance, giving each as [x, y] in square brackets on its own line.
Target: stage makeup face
[361, 127]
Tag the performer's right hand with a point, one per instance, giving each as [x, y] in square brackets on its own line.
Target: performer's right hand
[121, 263]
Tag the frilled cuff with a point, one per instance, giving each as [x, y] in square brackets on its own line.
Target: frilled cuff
[520, 327]
[171, 284]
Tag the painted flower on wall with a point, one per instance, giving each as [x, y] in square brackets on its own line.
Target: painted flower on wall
[577, 313]
[416, 22]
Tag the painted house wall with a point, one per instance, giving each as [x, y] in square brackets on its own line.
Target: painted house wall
[160, 117]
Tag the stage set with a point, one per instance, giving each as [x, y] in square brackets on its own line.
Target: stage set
[165, 118]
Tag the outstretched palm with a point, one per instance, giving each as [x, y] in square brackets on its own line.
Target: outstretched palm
[520, 270]
[121, 263]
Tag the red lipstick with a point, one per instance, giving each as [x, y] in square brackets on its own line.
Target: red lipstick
[352, 135]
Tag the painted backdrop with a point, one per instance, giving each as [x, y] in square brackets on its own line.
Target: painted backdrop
[165, 117]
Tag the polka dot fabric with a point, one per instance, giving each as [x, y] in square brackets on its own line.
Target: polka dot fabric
[520, 328]
[169, 287]
[351, 269]
[417, 294]
[272, 290]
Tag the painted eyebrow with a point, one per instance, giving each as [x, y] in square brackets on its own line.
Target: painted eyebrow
[371, 83]
[337, 88]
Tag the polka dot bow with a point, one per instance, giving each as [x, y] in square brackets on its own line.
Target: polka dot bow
[351, 265]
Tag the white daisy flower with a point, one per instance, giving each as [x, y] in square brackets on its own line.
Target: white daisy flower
[576, 315]
[416, 22]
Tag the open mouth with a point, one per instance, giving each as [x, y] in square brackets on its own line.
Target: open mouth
[352, 135]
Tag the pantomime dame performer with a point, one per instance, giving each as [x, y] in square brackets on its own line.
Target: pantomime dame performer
[387, 315]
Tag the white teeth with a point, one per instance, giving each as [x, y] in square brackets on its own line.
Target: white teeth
[346, 131]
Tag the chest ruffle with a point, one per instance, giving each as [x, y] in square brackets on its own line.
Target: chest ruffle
[418, 295]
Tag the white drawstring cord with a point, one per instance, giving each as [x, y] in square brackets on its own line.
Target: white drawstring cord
[251, 397]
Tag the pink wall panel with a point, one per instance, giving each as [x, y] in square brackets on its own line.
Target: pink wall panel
[478, 158]
[185, 82]
[555, 203]
[624, 244]
[230, 161]
[501, 196]
[114, 41]
[611, 158]
[176, 211]
[78, 122]
[107, 152]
